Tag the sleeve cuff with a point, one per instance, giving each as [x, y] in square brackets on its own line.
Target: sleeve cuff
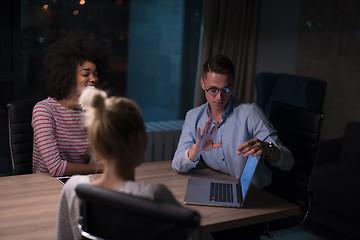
[188, 159]
[278, 163]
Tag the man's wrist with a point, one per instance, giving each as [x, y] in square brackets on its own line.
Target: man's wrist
[273, 154]
[271, 148]
[187, 157]
[193, 153]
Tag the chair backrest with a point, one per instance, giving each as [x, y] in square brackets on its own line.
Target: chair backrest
[296, 90]
[21, 135]
[299, 130]
[113, 215]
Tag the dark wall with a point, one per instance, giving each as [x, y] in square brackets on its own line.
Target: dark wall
[316, 38]
[278, 36]
[329, 49]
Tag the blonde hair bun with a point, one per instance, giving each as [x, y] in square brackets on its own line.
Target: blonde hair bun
[94, 98]
[113, 125]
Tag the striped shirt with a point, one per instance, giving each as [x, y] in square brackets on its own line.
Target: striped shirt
[59, 137]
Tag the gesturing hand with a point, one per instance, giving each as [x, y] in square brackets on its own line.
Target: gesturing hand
[205, 141]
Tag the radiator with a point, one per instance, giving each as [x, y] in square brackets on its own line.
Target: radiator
[163, 137]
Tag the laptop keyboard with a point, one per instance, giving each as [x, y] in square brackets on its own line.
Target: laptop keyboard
[221, 192]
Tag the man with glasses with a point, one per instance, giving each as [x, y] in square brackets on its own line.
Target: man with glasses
[224, 131]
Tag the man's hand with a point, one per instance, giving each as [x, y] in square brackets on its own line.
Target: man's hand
[205, 141]
[253, 147]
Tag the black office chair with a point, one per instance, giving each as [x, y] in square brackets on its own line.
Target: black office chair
[107, 214]
[299, 130]
[292, 89]
[21, 135]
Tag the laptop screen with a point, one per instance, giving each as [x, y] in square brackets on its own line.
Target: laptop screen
[247, 174]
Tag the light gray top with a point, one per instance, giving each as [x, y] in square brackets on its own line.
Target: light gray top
[68, 213]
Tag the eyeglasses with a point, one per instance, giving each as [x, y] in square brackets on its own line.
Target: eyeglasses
[213, 91]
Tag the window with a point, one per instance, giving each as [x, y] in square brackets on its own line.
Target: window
[152, 46]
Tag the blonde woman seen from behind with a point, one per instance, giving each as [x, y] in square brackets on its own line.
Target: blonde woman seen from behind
[117, 135]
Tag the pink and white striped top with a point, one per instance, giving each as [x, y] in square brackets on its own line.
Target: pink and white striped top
[59, 137]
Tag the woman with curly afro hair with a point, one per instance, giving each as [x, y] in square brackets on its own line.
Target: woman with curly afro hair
[60, 145]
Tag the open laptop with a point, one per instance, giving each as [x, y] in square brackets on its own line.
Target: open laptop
[221, 193]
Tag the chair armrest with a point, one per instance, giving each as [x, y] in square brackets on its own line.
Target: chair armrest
[329, 151]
